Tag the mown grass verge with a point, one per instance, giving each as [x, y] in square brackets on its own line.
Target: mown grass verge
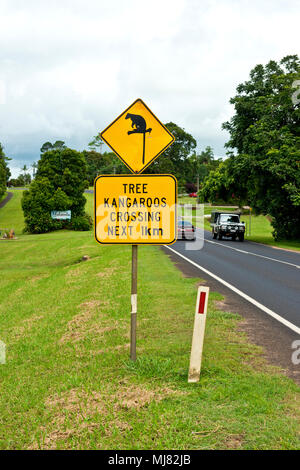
[68, 381]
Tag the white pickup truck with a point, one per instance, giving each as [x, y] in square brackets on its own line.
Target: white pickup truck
[227, 224]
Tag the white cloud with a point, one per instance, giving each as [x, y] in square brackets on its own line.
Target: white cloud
[68, 67]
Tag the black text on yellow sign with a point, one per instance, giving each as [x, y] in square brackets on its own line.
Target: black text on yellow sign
[137, 136]
[135, 209]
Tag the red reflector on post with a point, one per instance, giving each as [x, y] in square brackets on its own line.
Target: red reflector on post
[198, 334]
[202, 302]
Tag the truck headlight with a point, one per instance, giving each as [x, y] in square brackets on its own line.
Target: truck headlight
[223, 227]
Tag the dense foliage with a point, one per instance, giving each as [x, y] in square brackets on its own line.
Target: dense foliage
[106, 163]
[20, 181]
[58, 145]
[4, 171]
[2, 174]
[58, 186]
[200, 165]
[265, 131]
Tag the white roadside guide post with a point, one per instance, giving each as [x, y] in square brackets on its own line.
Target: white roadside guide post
[198, 334]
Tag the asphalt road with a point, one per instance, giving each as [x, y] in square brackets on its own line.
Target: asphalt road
[269, 276]
[6, 199]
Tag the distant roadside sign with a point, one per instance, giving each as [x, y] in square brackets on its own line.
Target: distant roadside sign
[61, 215]
[135, 209]
[137, 136]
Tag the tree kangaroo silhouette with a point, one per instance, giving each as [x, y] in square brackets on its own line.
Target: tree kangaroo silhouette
[139, 126]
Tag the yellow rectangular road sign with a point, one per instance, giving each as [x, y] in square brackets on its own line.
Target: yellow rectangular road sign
[137, 136]
[135, 209]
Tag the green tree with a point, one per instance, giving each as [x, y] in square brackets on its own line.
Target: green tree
[94, 163]
[59, 185]
[46, 147]
[17, 182]
[102, 163]
[26, 178]
[223, 184]
[95, 143]
[34, 168]
[201, 164]
[58, 145]
[4, 171]
[265, 134]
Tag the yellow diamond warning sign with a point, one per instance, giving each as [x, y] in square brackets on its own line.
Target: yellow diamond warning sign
[135, 209]
[137, 136]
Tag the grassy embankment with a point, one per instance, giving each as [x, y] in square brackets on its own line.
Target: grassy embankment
[261, 229]
[68, 382]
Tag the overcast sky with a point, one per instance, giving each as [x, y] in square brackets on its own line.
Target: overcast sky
[69, 67]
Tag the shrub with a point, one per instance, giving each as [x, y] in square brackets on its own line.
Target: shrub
[58, 186]
[81, 223]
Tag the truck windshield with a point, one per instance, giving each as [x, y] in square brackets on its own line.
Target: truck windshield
[230, 218]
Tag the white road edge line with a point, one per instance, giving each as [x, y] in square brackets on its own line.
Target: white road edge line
[270, 312]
